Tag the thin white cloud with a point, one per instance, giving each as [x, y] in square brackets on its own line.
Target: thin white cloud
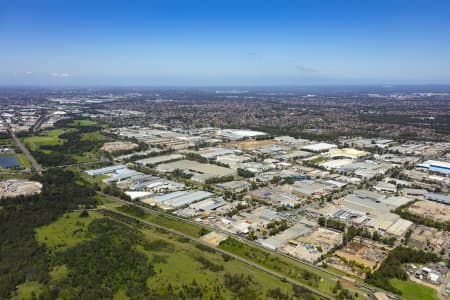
[60, 75]
[255, 55]
[302, 68]
[27, 73]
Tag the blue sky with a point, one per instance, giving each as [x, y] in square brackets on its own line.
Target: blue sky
[224, 42]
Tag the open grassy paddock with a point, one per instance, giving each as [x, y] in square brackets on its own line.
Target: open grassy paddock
[80, 144]
[288, 267]
[23, 161]
[66, 232]
[94, 136]
[414, 291]
[83, 122]
[46, 138]
[27, 290]
[180, 268]
[180, 262]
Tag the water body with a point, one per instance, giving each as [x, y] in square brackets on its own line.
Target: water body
[8, 161]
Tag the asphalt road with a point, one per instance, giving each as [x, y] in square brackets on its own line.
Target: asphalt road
[154, 211]
[333, 276]
[250, 263]
[34, 164]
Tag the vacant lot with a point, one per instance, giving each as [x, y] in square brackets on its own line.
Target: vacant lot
[66, 232]
[181, 269]
[251, 145]
[291, 268]
[200, 171]
[19, 187]
[431, 210]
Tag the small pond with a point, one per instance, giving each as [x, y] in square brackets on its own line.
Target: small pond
[8, 161]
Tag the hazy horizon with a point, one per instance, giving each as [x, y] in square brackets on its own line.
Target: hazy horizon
[224, 43]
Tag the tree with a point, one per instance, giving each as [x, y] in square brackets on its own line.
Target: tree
[245, 173]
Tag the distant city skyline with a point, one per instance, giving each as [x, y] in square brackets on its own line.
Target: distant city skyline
[219, 43]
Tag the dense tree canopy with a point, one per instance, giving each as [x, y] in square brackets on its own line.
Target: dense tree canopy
[21, 257]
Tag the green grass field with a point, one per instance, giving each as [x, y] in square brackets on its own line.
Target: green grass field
[7, 142]
[121, 295]
[340, 272]
[184, 227]
[103, 200]
[23, 161]
[86, 157]
[13, 174]
[58, 273]
[318, 160]
[53, 137]
[93, 136]
[88, 178]
[86, 122]
[414, 291]
[49, 138]
[278, 263]
[175, 261]
[179, 265]
[25, 290]
[68, 231]
[82, 122]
